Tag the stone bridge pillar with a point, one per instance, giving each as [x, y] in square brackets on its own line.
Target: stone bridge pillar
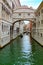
[30, 25]
[11, 31]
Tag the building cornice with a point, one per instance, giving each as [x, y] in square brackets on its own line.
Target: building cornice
[23, 8]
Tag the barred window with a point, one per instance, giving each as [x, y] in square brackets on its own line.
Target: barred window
[13, 5]
[19, 14]
[28, 13]
[39, 13]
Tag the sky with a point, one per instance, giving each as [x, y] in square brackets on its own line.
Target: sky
[26, 22]
[33, 3]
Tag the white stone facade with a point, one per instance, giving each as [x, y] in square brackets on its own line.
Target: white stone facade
[6, 10]
[38, 28]
[23, 13]
[5, 19]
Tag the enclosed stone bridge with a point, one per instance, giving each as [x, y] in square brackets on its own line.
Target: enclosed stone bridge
[23, 13]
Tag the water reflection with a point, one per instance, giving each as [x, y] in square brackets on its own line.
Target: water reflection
[26, 45]
[22, 51]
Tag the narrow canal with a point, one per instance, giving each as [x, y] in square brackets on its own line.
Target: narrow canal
[22, 51]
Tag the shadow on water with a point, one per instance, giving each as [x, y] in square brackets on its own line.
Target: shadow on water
[15, 48]
[37, 52]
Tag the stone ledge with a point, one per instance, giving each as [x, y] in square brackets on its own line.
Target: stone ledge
[38, 40]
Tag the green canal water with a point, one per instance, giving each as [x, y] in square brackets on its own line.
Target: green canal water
[22, 51]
